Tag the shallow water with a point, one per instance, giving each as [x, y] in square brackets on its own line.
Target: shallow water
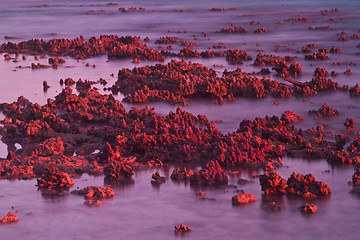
[141, 211]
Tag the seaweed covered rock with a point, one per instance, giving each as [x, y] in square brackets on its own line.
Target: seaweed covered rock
[308, 208]
[9, 218]
[118, 171]
[157, 179]
[325, 111]
[181, 174]
[306, 186]
[243, 198]
[50, 147]
[212, 174]
[182, 228]
[53, 178]
[272, 184]
[95, 192]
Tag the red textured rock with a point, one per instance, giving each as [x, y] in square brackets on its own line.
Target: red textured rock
[298, 20]
[321, 72]
[321, 28]
[212, 174]
[272, 184]
[305, 186]
[38, 66]
[236, 56]
[111, 45]
[233, 29]
[117, 171]
[334, 49]
[182, 228]
[167, 40]
[325, 111]
[243, 198]
[355, 91]
[356, 177]
[267, 60]
[350, 123]
[181, 174]
[95, 192]
[50, 147]
[10, 218]
[260, 30]
[53, 178]
[283, 70]
[308, 208]
[348, 72]
[56, 60]
[157, 179]
[317, 56]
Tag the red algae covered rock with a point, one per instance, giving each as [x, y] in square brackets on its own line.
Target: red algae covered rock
[308, 208]
[94, 192]
[10, 218]
[243, 198]
[111, 45]
[181, 174]
[297, 184]
[260, 30]
[236, 56]
[50, 147]
[212, 174]
[182, 228]
[272, 184]
[356, 177]
[117, 171]
[157, 179]
[325, 111]
[233, 29]
[317, 56]
[53, 178]
[305, 186]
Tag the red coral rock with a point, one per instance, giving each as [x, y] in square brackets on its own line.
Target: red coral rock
[181, 174]
[306, 186]
[117, 171]
[260, 31]
[182, 228]
[50, 147]
[348, 72]
[272, 184]
[234, 29]
[94, 192]
[350, 123]
[243, 198]
[308, 208]
[356, 177]
[212, 174]
[334, 49]
[325, 111]
[53, 178]
[236, 56]
[10, 218]
[157, 179]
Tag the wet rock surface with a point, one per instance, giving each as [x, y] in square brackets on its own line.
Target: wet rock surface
[9, 218]
[243, 198]
[308, 208]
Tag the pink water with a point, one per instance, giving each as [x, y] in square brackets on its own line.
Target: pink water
[139, 210]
